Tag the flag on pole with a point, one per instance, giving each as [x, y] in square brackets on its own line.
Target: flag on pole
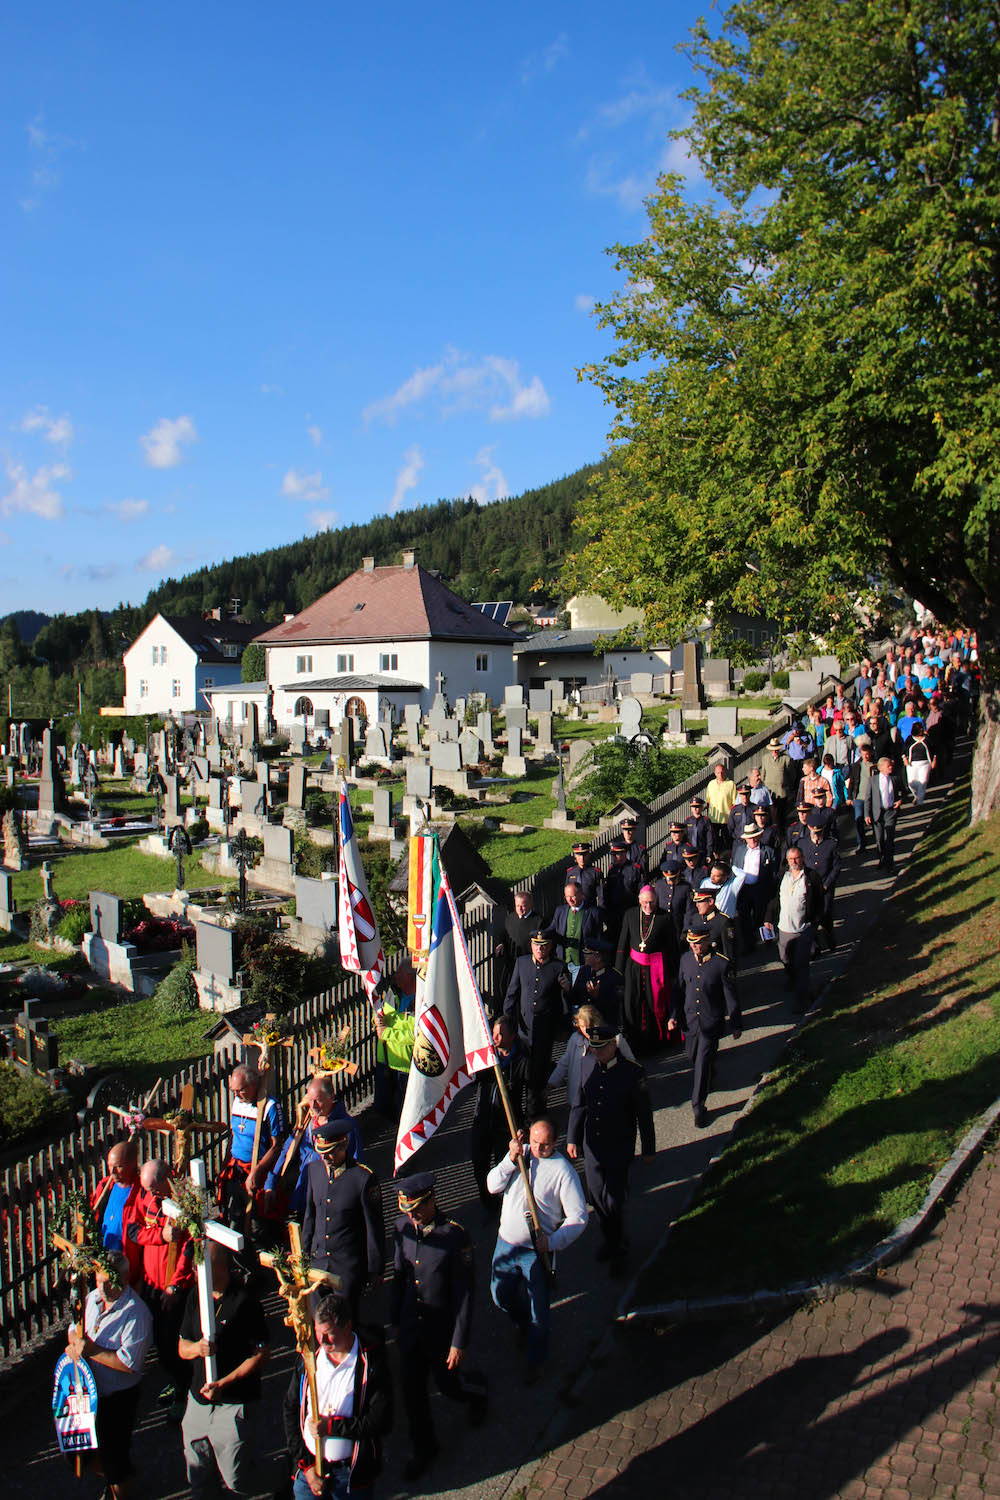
[452, 1038]
[360, 943]
[424, 883]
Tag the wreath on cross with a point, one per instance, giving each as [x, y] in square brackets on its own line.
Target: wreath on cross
[194, 1208]
[74, 1213]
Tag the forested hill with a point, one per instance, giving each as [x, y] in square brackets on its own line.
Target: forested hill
[494, 551]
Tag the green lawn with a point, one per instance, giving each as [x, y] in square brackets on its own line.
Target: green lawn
[133, 1036]
[122, 871]
[871, 1096]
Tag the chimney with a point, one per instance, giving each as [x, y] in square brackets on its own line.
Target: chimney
[409, 557]
[368, 565]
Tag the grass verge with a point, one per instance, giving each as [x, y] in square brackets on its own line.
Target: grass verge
[871, 1097]
[122, 871]
[134, 1036]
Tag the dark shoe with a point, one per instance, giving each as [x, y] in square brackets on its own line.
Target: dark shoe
[700, 1117]
[420, 1462]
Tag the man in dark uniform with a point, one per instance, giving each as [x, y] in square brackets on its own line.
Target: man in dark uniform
[721, 929]
[621, 888]
[635, 849]
[536, 1003]
[598, 984]
[673, 853]
[699, 830]
[821, 854]
[742, 813]
[342, 1225]
[824, 809]
[672, 892]
[518, 927]
[586, 874]
[489, 1135]
[769, 837]
[430, 1310]
[798, 830]
[611, 1102]
[695, 867]
[704, 995]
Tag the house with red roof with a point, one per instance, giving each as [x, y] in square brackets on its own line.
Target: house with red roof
[383, 638]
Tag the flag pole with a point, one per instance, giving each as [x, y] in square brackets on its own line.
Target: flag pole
[543, 1255]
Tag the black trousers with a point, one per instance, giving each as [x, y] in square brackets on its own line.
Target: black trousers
[424, 1360]
[168, 1313]
[488, 1141]
[885, 841]
[701, 1049]
[115, 1422]
[607, 1189]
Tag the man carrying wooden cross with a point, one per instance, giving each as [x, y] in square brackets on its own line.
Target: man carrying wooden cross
[116, 1200]
[117, 1332]
[258, 1131]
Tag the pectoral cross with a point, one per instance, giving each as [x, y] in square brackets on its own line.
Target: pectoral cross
[223, 1235]
[296, 1291]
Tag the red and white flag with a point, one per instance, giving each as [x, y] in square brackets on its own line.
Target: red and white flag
[360, 943]
[452, 1041]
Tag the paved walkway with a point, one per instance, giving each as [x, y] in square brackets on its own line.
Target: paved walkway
[886, 1391]
[526, 1423]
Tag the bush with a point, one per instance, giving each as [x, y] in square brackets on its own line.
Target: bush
[754, 682]
[176, 994]
[626, 770]
[279, 974]
[311, 859]
[74, 922]
[26, 1106]
[780, 681]
[199, 830]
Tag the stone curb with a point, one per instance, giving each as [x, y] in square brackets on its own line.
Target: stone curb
[706, 1309]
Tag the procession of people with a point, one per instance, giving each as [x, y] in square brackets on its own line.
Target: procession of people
[628, 966]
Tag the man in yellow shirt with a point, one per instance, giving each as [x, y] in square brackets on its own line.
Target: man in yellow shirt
[720, 796]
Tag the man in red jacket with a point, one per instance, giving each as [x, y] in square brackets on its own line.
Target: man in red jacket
[168, 1275]
[115, 1200]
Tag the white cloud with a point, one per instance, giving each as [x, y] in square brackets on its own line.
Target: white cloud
[128, 510]
[57, 430]
[157, 560]
[583, 302]
[460, 382]
[537, 63]
[406, 479]
[298, 486]
[316, 434]
[45, 147]
[641, 121]
[163, 442]
[35, 494]
[493, 482]
[323, 520]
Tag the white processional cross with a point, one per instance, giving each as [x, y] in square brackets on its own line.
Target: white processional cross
[221, 1233]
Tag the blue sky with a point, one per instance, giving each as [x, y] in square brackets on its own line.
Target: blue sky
[269, 269]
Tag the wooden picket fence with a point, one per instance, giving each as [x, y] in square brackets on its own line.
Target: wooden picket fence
[33, 1292]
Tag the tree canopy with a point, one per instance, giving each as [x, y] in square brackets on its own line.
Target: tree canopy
[806, 407]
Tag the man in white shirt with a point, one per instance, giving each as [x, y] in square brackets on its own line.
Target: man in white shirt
[519, 1282]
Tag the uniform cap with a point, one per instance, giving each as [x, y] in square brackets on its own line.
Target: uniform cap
[698, 929]
[815, 821]
[618, 846]
[598, 945]
[415, 1189]
[581, 848]
[600, 1033]
[628, 822]
[677, 826]
[689, 851]
[705, 892]
[325, 1137]
[745, 787]
[696, 802]
[543, 935]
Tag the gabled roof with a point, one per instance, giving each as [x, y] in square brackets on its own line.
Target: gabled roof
[352, 682]
[552, 641]
[205, 637]
[387, 604]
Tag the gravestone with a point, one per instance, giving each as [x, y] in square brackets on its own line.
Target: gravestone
[215, 793]
[471, 747]
[715, 670]
[460, 707]
[297, 776]
[418, 779]
[256, 798]
[172, 802]
[251, 726]
[802, 686]
[278, 844]
[514, 763]
[452, 729]
[360, 726]
[693, 696]
[35, 1049]
[342, 743]
[382, 825]
[578, 751]
[437, 718]
[446, 756]
[316, 904]
[543, 743]
[378, 745]
[297, 739]
[119, 768]
[629, 718]
[15, 845]
[484, 728]
[722, 723]
[675, 721]
[826, 666]
[50, 787]
[513, 693]
[554, 686]
[411, 718]
[8, 906]
[539, 701]
[214, 950]
[200, 769]
[321, 722]
[106, 916]
[517, 718]
[641, 682]
[140, 766]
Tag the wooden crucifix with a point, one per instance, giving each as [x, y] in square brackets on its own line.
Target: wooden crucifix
[268, 1039]
[211, 1229]
[182, 1126]
[135, 1119]
[296, 1288]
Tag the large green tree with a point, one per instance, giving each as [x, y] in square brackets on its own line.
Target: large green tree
[804, 380]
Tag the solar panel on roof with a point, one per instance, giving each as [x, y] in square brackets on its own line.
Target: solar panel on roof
[497, 610]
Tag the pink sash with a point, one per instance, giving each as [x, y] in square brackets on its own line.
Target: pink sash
[659, 983]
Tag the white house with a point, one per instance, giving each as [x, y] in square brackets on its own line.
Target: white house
[179, 659]
[383, 638]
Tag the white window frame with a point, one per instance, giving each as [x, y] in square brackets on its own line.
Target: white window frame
[143, 688]
[303, 664]
[175, 688]
[388, 661]
[345, 662]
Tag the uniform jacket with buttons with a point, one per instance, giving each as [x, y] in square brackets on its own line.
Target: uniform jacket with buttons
[432, 1283]
[824, 858]
[535, 998]
[704, 995]
[611, 1102]
[342, 1227]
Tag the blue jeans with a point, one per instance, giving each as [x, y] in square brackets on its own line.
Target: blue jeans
[859, 823]
[335, 1486]
[520, 1288]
